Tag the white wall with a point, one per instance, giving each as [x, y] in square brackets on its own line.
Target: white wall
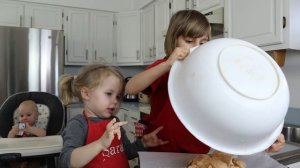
[291, 70]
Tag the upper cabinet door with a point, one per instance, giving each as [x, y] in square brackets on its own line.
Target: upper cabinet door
[102, 37]
[44, 16]
[256, 21]
[177, 5]
[147, 33]
[11, 14]
[162, 18]
[128, 38]
[207, 5]
[77, 37]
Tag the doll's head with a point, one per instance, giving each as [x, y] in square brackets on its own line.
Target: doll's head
[28, 112]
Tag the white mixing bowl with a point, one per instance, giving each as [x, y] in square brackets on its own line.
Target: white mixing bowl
[231, 95]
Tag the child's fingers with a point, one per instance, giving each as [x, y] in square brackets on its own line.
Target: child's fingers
[119, 124]
[118, 132]
[110, 124]
[161, 142]
[157, 130]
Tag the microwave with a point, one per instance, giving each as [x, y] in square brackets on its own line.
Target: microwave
[216, 20]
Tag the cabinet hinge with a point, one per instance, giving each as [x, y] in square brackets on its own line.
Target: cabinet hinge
[67, 18]
[170, 5]
[62, 14]
[114, 23]
[66, 52]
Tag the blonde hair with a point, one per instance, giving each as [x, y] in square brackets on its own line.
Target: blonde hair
[90, 76]
[187, 23]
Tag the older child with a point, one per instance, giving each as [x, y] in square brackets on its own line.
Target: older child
[187, 29]
[93, 139]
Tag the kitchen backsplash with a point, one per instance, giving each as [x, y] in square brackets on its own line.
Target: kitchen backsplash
[293, 116]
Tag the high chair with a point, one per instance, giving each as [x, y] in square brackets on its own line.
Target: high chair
[51, 116]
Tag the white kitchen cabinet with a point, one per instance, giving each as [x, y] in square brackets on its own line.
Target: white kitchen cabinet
[131, 116]
[147, 34]
[77, 37]
[43, 16]
[128, 38]
[20, 14]
[11, 13]
[177, 5]
[89, 37]
[73, 111]
[270, 24]
[162, 18]
[205, 6]
[102, 37]
[121, 113]
[155, 21]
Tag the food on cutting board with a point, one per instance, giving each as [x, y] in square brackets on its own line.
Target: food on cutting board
[216, 160]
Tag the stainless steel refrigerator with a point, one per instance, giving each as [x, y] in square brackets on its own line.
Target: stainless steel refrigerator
[30, 60]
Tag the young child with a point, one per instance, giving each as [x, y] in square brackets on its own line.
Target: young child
[187, 29]
[27, 117]
[95, 138]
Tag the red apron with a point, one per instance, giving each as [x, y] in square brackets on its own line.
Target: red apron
[112, 157]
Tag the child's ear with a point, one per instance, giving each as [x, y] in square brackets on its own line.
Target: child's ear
[84, 91]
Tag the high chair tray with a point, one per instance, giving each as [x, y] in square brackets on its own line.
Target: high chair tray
[31, 146]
